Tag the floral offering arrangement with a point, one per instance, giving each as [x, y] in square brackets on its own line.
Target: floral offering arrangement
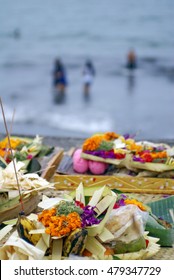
[125, 152]
[84, 225]
[26, 150]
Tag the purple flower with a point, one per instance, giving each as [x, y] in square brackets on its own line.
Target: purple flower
[103, 154]
[126, 136]
[123, 196]
[129, 136]
[160, 148]
[138, 159]
[88, 216]
[121, 202]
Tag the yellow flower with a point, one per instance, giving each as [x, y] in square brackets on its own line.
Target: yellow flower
[120, 151]
[136, 202]
[130, 141]
[132, 146]
[14, 143]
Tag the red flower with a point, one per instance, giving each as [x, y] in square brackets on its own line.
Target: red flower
[147, 157]
[119, 156]
[147, 242]
[8, 160]
[116, 205]
[80, 204]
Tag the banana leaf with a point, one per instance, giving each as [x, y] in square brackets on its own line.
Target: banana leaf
[45, 150]
[3, 163]
[161, 212]
[133, 246]
[11, 208]
[160, 208]
[11, 203]
[166, 236]
[33, 166]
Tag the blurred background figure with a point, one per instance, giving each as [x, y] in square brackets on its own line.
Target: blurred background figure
[74, 37]
[131, 60]
[59, 79]
[59, 76]
[88, 76]
[17, 33]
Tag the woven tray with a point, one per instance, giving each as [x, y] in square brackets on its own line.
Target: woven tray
[163, 254]
[124, 184]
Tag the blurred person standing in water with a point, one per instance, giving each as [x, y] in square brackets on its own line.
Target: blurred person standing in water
[131, 65]
[59, 77]
[88, 76]
[131, 60]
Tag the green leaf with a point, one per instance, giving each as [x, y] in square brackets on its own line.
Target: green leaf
[116, 258]
[33, 166]
[106, 145]
[45, 150]
[160, 209]
[20, 156]
[133, 246]
[3, 163]
[166, 236]
[117, 191]
[152, 222]
[11, 203]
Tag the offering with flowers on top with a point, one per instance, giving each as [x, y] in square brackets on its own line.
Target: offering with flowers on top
[97, 225]
[126, 153]
[27, 150]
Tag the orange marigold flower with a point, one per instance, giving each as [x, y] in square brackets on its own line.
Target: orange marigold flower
[59, 225]
[162, 154]
[93, 143]
[46, 215]
[4, 152]
[109, 136]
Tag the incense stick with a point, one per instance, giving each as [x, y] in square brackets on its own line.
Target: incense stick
[8, 137]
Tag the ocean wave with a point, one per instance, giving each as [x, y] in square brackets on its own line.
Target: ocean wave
[69, 122]
[78, 123]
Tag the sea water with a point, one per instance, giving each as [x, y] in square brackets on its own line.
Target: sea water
[33, 33]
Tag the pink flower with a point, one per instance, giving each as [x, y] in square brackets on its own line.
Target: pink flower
[29, 157]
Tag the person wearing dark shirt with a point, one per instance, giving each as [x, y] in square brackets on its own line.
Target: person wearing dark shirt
[59, 77]
[131, 60]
